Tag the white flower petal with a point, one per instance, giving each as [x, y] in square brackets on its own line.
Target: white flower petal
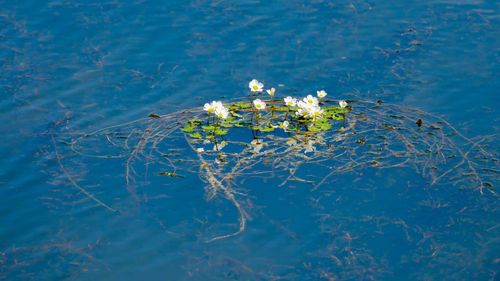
[259, 105]
[255, 86]
[321, 94]
[289, 101]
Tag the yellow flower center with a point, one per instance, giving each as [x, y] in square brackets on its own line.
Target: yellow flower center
[255, 87]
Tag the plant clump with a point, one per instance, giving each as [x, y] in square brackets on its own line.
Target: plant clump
[308, 139]
[291, 115]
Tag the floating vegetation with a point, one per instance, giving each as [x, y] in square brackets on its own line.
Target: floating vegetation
[310, 140]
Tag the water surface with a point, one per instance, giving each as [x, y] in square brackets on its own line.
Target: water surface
[70, 67]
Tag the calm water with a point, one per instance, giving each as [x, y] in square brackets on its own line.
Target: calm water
[70, 67]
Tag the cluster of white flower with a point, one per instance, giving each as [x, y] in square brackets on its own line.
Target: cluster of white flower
[217, 108]
[308, 106]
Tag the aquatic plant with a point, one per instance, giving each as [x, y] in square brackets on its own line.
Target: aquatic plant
[326, 137]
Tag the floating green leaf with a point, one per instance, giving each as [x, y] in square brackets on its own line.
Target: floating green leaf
[188, 129]
[242, 105]
[195, 135]
[314, 129]
[195, 122]
[208, 128]
[220, 132]
[266, 129]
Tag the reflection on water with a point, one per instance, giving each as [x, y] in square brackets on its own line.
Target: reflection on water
[71, 68]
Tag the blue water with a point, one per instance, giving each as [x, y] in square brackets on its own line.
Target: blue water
[70, 67]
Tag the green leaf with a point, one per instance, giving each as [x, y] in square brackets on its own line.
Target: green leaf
[195, 122]
[188, 129]
[266, 129]
[336, 110]
[229, 119]
[195, 135]
[220, 132]
[314, 129]
[321, 121]
[242, 104]
[236, 114]
[326, 127]
[208, 128]
[322, 124]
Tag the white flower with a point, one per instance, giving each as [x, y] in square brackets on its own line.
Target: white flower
[308, 107]
[289, 101]
[222, 112]
[208, 107]
[200, 149]
[301, 104]
[213, 106]
[271, 92]
[321, 94]
[255, 86]
[301, 112]
[259, 105]
[217, 105]
[315, 112]
[285, 124]
[311, 100]
[304, 109]
[342, 103]
[218, 108]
